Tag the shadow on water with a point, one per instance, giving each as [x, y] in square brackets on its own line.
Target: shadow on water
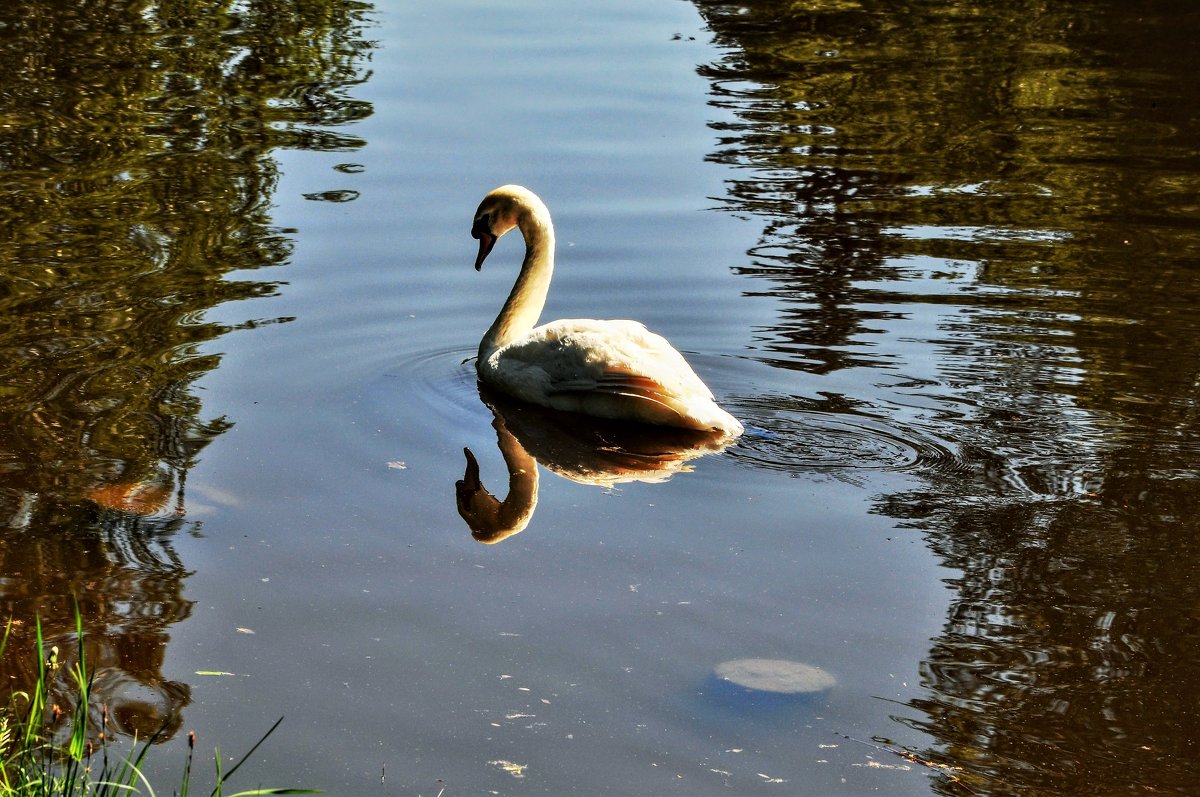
[585, 450]
[991, 209]
[135, 150]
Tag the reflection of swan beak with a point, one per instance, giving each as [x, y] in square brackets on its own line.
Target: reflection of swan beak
[469, 484]
[482, 231]
[475, 504]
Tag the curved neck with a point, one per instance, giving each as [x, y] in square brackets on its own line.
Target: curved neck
[517, 507]
[524, 304]
[489, 519]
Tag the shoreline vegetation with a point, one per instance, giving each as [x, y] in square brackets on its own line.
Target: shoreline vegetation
[36, 762]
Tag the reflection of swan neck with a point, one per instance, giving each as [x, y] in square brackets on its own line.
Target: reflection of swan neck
[524, 305]
[518, 505]
[492, 520]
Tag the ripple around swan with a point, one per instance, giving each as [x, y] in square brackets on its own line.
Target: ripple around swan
[781, 437]
[781, 432]
[440, 381]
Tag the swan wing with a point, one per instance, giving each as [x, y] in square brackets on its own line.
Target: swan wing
[586, 355]
[604, 368]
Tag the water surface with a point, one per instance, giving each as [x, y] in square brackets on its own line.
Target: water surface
[940, 260]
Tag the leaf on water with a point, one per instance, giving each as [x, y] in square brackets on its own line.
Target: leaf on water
[516, 770]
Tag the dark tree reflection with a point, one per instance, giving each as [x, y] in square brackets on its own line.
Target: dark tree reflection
[135, 172]
[991, 208]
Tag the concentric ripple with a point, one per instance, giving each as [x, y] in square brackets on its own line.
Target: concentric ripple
[440, 381]
[781, 434]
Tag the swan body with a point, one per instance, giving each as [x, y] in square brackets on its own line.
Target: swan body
[608, 369]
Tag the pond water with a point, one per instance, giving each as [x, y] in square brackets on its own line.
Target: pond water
[943, 261]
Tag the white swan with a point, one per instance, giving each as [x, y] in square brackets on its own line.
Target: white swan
[609, 369]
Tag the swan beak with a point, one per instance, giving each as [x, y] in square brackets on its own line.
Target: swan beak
[482, 231]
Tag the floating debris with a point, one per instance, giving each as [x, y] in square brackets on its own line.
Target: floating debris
[516, 770]
[332, 196]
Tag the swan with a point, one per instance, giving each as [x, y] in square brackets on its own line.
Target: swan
[608, 369]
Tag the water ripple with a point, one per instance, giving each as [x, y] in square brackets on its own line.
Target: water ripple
[784, 436]
[441, 380]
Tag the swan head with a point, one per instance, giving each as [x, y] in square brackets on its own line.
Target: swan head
[501, 210]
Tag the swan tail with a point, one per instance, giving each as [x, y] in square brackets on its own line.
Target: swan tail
[654, 402]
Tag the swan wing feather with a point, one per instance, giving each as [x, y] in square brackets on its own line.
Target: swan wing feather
[602, 368]
[586, 355]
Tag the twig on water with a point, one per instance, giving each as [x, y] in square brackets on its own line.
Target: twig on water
[908, 755]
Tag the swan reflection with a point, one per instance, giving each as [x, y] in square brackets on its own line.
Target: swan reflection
[580, 448]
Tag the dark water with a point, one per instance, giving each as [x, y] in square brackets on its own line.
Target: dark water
[942, 259]
[995, 213]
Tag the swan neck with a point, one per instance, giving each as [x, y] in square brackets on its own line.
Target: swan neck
[528, 296]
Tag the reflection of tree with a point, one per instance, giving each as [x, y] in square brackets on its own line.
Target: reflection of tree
[130, 586]
[135, 149]
[1069, 653]
[1022, 178]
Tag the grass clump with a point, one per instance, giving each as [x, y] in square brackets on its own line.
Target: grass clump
[35, 763]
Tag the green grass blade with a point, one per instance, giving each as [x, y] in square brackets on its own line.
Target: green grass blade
[37, 701]
[242, 760]
[35, 763]
[82, 682]
[4, 641]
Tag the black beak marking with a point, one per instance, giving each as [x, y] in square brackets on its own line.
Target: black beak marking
[482, 231]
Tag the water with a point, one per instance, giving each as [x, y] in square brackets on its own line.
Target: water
[940, 260]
